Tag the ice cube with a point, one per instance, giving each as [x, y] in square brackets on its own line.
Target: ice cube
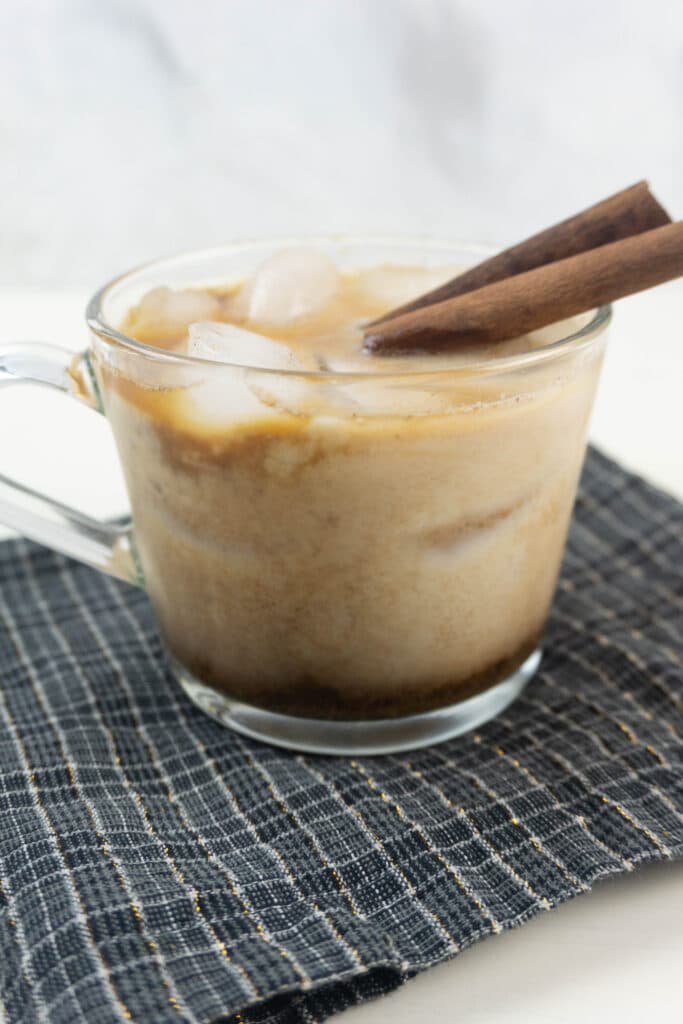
[290, 284]
[165, 313]
[225, 343]
[392, 285]
[280, 393]
[223, 398]
[236, 391]
[392, 396]
[340, 397]
[151, 372]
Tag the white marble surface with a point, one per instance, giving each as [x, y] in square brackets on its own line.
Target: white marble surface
[612, 955]
[133, 128]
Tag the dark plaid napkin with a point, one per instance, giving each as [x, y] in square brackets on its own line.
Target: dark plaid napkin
[155, 867]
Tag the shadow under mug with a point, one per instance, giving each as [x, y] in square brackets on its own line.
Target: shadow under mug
[352, 563]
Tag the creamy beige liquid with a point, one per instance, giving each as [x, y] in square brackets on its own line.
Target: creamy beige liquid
[347, 548]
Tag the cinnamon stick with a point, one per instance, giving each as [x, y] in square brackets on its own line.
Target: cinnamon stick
[626, 213]
[536, 298]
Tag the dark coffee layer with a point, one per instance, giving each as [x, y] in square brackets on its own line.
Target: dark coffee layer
[307, 698]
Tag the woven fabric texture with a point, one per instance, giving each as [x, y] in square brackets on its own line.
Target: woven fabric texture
[156, 868]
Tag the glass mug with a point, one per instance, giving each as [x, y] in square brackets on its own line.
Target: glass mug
[339, 562]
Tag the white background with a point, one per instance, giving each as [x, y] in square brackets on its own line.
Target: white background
[134, 128]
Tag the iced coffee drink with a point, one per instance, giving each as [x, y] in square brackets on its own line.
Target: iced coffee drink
[333, 535]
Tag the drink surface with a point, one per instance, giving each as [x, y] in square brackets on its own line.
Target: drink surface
[317, 326]
[330, 545]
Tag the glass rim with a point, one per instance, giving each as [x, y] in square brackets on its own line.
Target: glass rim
[574, 341]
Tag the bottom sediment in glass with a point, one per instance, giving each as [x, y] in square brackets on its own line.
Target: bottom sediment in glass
[381, 736]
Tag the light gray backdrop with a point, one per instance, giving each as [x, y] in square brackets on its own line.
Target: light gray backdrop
[131, 128]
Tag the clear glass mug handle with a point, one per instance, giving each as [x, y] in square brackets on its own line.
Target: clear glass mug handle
[103, 545]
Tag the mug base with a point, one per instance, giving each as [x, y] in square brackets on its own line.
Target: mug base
[383, 736]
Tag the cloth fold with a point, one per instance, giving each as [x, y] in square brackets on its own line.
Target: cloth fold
[156, 867]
